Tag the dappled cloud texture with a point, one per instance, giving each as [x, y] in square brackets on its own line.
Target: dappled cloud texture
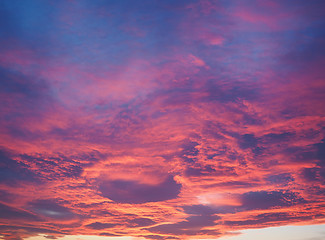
[160, 119]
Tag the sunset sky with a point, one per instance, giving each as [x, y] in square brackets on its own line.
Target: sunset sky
[162, 119]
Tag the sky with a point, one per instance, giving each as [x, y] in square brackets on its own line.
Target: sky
[147, 119]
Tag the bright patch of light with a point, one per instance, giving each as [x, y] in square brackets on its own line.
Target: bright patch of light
[308, 232]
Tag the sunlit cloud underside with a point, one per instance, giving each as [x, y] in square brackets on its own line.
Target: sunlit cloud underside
[162, 119]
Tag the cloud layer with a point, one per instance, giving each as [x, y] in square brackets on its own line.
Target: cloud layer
[160, 119]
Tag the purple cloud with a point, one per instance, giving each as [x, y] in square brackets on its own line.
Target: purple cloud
[122, 191]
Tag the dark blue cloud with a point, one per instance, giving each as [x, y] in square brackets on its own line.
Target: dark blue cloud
[158, 237]
[191, 226]
[197, 170]
[320, 152]
[13, 230]
[56, 167]
[189, 151]
[109, 234]
[200, 216]
[235, 184]
[21, 94]
[259, 144]
[189, 148]
[224, 92]
[141, 222]
[313, 49]
[299, 154]
[266, 200]
[200, 171]
[283, 178]
[212, 91]
[266, 219]
[13, 172]
[50, 237]
[100, 226]
[248, 141]
[6, 196]
[20, 85]
[310, 174]
[277, 137]
[51, 209]
[133, 192]
[202, 210]
[8, 212]
[316, 173]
